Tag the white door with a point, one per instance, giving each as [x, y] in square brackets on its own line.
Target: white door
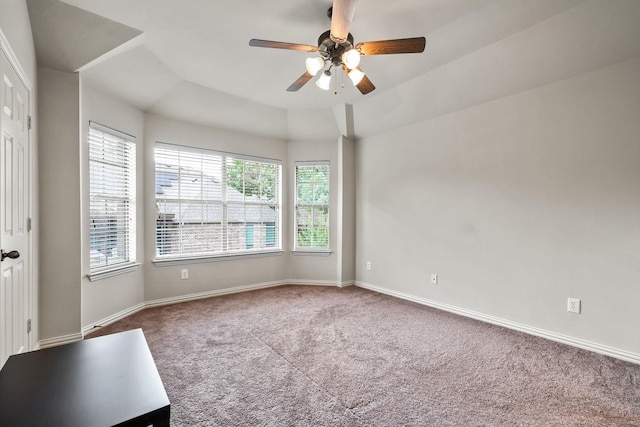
[14, 241]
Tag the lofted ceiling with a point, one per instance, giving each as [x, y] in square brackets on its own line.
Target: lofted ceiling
[191, 59]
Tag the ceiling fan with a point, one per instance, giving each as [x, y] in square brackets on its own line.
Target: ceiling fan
[337, 50]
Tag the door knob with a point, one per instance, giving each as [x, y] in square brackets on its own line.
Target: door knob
[12, 254]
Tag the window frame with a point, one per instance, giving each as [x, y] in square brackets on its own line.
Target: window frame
[311, 250]
[175, 258]
[126, 145]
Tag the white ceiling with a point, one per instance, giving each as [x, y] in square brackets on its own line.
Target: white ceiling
[191, 59]
[207, 42]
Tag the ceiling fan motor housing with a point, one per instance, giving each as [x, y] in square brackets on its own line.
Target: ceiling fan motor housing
[332, 51]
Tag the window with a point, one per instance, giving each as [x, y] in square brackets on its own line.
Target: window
[312, 205]
[211, 203]
[112, 198]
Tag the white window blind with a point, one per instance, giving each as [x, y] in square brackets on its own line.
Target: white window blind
[312, 205]
[112, 195]
[212, 203]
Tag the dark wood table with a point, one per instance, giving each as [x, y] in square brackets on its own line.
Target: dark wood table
[105, 381]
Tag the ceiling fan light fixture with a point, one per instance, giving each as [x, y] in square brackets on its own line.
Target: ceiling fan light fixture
[356, 76]
[337, 50]
[314, 65]
[324, 81]
[351, 58]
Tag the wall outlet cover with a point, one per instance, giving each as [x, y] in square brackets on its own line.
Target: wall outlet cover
[573, 305]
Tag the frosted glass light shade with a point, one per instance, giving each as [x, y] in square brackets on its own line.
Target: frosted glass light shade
[355, 75]
[324, 81]
[314, 65]
[351, 58]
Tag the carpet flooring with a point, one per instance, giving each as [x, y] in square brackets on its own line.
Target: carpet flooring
[323, 356]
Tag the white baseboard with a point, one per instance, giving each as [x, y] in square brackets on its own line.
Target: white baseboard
[311, 282]
[88, 329]
[214, 293]
[63, 339]
[92, 327]
[553, 336]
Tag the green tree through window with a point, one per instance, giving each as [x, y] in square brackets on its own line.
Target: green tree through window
[253, 178]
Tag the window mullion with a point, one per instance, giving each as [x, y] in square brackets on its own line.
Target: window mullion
[225, 207]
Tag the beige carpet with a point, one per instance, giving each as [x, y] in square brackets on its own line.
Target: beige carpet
[316, 356]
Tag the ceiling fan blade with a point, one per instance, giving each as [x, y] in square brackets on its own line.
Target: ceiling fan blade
[364, 86]
[384, 47]
[302, 80]
[282, 45]
[341, 16]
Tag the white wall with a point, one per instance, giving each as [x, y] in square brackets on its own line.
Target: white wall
[517, 204]
[164, 281]
[16, 27]
[105, 297]
[59, 182]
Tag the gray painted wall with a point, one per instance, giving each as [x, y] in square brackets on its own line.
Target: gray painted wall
[164, 282]
[346, 224]
[305, 267]
[60, 204]
[517, 204]
[69, 294]
[103, 298]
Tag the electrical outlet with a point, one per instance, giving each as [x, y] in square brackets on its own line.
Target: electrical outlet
[434, 279]
[573, 305]
[184, 274]
[368, 265]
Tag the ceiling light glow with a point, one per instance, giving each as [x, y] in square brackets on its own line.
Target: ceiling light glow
[314, 65]
[324, 81]
[351, 58]
[356, 76]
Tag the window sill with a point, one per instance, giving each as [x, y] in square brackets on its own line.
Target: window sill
[115, 271]
[311, 252]
[165, 262]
